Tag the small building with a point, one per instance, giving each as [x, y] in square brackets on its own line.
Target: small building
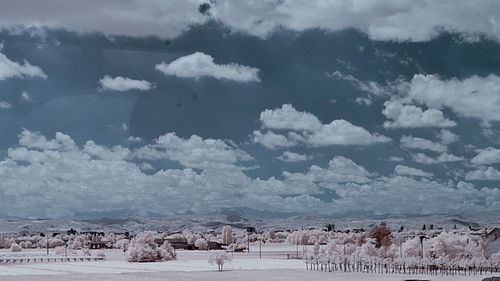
[177, 243]
[212, 245]
[493, 235]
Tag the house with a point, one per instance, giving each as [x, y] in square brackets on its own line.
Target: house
[493, 235]
[212, 245]
[177, 243]
[71, 232]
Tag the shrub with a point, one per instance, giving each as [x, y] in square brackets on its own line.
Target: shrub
[14, 247]
[143, 248]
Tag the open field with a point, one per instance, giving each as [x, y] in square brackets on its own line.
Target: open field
[193, 265]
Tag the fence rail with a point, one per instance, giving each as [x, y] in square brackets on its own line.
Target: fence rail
[19, 260]
[385, 268]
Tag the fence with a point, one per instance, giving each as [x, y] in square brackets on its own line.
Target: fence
[397, 268]
[13, 260]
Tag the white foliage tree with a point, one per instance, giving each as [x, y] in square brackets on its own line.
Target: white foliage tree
[227, 235]
[201, 244]
[14, 247]
[219, 257]
[143, 248]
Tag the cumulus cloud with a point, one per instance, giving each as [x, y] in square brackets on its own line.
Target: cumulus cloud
[30, 139]
[199, 65]
[475, 97]
[396, 159]
[381, 20]
[272, 140]
[122, 84]
[25, 97]
[289, 156]
[410, 171]
[339, 170]
[287, 117]
[194, 152]
[308, 129]
[40, 171]
[12, 69]
[447, 136]
[489, 173]
[411, 142]
[342, 132]
[104, 153]
[164, 19]
[5, 105]
[410, 116]
[355, 187]
[487, 156]
[442, 158]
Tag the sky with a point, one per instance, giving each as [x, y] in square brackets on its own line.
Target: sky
[267, 108]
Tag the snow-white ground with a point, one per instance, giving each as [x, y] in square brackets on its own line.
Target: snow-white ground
[193, 265]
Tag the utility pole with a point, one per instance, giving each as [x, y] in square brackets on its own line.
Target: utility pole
[260, 247]
[47, 238]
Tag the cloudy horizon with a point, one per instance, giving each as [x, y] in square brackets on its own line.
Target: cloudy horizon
[262, 107]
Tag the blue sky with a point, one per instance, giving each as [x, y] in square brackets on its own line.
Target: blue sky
[267, 107]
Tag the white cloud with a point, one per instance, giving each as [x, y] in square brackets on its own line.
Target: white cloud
[272, 140]
[25, 97]
[391, 195]
[447, 136]
[363, 101]
[289, 156]
[41, 171]
[381, 20]
[36, 140]
[5, 105]
[475, 96]
[287, 117]
[396, 159]
[442, 158]
[371, 87]
[342, 132]
[150, 17]
[410, 116]
[356, 187]
[97, 178]
[489, 173]
[411, 142]
[133, 139]
[194, 152]
[410, 171]
[339, 170]
[12, 69]
[310, 131]
[122, 84]
[199, 65]
[487, 156]
[102, 152]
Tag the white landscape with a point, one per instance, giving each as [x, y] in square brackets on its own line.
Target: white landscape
[193, 265]
[350, 254]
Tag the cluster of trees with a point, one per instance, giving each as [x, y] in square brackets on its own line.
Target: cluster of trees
[380, 250]
[143, 248]
[61, 241]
